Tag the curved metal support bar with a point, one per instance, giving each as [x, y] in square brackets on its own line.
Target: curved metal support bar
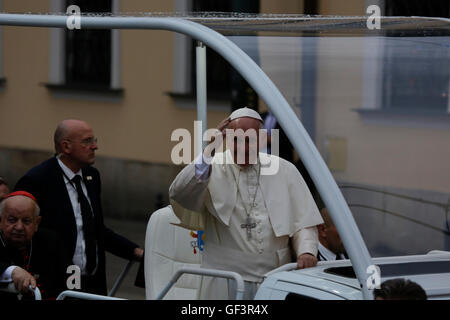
[120, 278]
[284, 267]
[206, 272]
[265, 88]
[200, 58]
[36, 292]
[83, 296]
[11, 288]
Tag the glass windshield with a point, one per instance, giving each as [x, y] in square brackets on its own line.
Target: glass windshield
[376, 104]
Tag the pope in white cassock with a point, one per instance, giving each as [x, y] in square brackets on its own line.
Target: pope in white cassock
[253, 222]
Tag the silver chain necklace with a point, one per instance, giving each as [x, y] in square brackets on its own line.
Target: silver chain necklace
[249, 222]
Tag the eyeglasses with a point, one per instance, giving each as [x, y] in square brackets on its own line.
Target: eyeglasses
[87, 142]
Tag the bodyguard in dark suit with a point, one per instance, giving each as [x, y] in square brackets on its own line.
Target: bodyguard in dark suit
[330, 244]
[285, 149]
[28, 257]
[68, 190]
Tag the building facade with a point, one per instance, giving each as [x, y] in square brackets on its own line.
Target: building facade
[141, 88]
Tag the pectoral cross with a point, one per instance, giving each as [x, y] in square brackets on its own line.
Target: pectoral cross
[249, 225]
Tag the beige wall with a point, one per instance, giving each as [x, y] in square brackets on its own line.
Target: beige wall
[281, 7]
[342, 7]
[137, 127]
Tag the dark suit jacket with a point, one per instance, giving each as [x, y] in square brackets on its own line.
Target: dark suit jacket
[286, 149]
[321, 257]
[48, 263]
[46, 183]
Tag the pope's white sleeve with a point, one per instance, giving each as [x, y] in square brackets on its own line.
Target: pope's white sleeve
[202, 167]
[188, 190]
[306, 241]
[7, 274]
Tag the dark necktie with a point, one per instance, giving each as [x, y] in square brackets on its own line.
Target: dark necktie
[338, 257]
[88, 227]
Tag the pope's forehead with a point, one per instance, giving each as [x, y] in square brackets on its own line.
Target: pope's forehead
[245, 123]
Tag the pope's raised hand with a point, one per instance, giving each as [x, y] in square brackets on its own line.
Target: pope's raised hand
[223, 125]
[210, 150]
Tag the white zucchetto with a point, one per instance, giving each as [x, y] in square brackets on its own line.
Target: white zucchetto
[245, 112]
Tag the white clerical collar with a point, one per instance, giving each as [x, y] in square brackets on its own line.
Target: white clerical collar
[326, 253]
[67, 172]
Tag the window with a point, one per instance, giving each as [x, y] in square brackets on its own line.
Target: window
[223, 82]
[415, 76]
[85, 60]
[411, 77]
[88, 52]
[435, 8]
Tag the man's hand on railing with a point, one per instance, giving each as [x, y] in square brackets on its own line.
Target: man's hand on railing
[138, 254]
[23, 280]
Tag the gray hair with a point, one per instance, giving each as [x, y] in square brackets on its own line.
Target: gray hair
[37, 209]
[60, 134]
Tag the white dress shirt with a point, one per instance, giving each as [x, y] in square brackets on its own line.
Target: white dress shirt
[79, 256]
[7, 274]
[327, 254]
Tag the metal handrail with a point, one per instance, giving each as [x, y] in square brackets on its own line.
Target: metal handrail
[445, 232]
[11, 288]
[285, 267]
[84, 296]
[289, 267]
[397, 195]
[120, 278]
[206, 272]
[444, 206]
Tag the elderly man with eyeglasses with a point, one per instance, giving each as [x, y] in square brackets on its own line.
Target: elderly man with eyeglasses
[68, 191]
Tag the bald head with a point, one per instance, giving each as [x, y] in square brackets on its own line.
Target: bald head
[66, 129]
[328, 235]
[76, 144]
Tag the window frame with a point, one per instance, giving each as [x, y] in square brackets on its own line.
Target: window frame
[57, 78]
[372, 109]
[183, 90]
[183, 85]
